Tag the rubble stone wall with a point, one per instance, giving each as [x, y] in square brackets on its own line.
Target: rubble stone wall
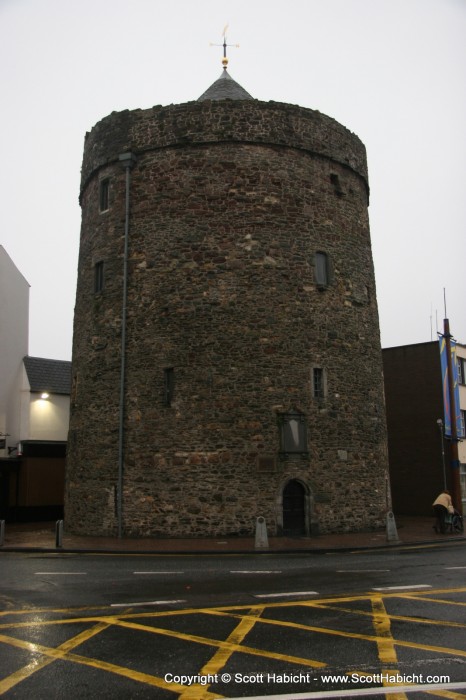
[229, 203]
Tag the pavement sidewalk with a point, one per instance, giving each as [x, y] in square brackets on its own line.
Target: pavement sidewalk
[23, 537]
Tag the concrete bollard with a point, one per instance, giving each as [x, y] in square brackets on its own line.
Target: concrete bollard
[262, 541]
[392, 534]
[2, 532]
[59, 533]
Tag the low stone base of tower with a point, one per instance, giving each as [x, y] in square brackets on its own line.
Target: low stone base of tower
[172, 504]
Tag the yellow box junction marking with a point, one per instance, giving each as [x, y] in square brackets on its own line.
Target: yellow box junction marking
[223, 649]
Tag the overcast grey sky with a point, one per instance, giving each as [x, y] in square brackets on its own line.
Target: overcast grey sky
[392, 71]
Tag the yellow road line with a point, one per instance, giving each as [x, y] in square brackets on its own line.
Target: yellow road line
[354, 635]
[397, 618]
[222, 656]
[229, 646]
[385, 646]
[381, 622]
[57, 653]
[441, 601]
[419, 595]
[55, 611]
[38, 664]
[248, 616]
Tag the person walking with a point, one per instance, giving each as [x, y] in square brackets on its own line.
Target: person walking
[442, 506]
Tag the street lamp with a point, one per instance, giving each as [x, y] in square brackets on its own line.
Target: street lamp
[442, 444]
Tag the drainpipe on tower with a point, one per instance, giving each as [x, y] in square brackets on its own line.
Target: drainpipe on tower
[127, 160]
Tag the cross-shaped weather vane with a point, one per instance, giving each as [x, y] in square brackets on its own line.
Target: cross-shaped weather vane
[225, 59]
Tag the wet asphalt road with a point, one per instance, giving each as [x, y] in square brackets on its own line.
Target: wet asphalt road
[81, 580]
[173, 626]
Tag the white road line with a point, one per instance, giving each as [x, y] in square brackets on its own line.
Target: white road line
[359, 692]
[283, 595]
[401, 588]
[455, 567]
[148, 602]
[156, 573]
[362, 571]
[60, 573]
[261, 571]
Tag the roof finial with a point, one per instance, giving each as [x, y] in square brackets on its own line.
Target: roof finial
[225, 59]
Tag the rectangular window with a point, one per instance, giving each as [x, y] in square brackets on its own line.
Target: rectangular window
[98, 277]
[463, 424]
[103, 194]
[168, 385]
[461, 370]
[463, 485]
[321, 270]
[318, 383]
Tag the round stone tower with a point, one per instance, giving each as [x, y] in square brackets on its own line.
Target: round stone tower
[226, 356]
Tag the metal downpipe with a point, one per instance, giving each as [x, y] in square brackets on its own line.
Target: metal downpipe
[127, 160]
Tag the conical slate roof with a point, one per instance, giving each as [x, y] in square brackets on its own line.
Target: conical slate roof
[225, 88]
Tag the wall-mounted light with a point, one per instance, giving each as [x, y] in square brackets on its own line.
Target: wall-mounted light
[44, 395]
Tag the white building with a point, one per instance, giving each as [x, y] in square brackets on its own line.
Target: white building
[14, 323]
[45, 400]
[34, 411]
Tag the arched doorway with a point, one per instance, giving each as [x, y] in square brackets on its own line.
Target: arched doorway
[294, 509]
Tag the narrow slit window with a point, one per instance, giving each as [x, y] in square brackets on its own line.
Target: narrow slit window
[98, 276]
[322, 269]
[318, 383]
[168, 385]
[104, 194]
[335, 180]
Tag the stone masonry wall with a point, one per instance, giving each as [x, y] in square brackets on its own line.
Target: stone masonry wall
[230, 202]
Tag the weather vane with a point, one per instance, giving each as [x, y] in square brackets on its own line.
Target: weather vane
[225, 59]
